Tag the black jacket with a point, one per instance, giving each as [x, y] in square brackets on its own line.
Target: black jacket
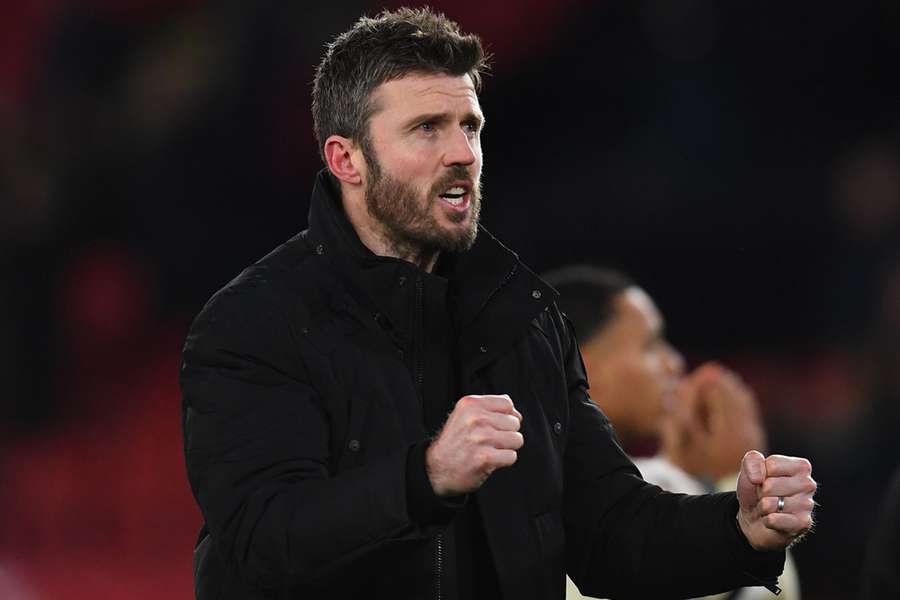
[304, 439]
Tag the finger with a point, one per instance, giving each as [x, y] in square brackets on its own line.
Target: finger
[788, 524]
[500, 403]
[708, 372]
[788, 486]
[499, 458]
[506, 440]
[802, 503]
[493, 403]
[787, 466]
[485, 422]
[717, 400]
[502, 421]
[754, 466]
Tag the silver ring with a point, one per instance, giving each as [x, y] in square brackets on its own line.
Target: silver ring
[780, 507]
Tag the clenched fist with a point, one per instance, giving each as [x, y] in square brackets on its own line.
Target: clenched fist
[480, 436]
[775, 494]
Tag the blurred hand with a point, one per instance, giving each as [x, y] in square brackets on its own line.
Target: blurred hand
[762, 484]
[480, 436]
[713, 422]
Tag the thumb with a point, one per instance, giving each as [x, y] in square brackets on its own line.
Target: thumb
[753, 474]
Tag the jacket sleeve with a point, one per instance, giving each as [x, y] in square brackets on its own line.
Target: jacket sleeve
[257, 448]
[629, 539]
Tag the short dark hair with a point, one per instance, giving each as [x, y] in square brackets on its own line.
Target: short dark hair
[587, 295]
[376, 50]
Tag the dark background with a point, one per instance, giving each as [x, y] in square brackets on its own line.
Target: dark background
[740, 159]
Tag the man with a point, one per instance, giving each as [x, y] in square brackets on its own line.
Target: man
[881, 569]
[317, 385]
[704, 422]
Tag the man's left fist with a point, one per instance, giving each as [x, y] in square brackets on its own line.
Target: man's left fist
[776, 499]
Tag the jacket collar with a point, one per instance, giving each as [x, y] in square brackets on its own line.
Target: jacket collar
[487, 274]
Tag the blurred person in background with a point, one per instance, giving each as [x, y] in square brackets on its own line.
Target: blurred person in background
[881, 571]
[317, 385]
[703, 422]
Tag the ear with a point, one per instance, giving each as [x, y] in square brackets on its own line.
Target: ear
[344, 159]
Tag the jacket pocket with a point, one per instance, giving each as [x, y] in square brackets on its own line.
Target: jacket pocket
[552, 541]
[550, 533]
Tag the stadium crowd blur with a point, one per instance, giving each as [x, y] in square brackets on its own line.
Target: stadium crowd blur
[741, 159]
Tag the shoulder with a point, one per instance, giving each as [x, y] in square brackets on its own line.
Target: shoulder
[266, 302]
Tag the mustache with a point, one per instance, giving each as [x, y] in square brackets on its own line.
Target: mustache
[454, 174]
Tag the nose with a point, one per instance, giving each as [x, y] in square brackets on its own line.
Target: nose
[674, 361]
[462, 149]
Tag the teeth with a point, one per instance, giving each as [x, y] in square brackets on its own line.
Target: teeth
[455, 191]
[453, 201]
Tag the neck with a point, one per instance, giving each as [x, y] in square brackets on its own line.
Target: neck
[379, 240]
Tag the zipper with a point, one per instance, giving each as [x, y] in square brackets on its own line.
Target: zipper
[439, 564]
[418, 365]
[419, 370]
[502, 284]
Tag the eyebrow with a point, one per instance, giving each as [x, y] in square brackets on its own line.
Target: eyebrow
[442, 118]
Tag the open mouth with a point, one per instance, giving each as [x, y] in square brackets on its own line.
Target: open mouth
[456, 196]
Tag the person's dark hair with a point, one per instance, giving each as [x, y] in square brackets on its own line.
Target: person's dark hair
[380, 49]
[587, 295]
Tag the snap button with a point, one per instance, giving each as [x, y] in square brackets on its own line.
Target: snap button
[482, 349]
[353, 445]
[557, 427]
[320, 249]
[536, 294]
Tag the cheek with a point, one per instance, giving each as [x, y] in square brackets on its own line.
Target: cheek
[642, 381]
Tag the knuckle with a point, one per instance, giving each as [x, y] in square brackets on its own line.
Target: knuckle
[805, 466]
[474, 421]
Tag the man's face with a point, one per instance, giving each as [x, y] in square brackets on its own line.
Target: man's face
[424, 162]
[639, 370]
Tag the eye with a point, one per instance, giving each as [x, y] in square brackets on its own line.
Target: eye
[471, 127]
[427, 126]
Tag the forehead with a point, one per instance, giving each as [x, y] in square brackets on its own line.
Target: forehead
[636, 307]
[426, 93]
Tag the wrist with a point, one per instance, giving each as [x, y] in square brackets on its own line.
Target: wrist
[744, 526]
[431, 470]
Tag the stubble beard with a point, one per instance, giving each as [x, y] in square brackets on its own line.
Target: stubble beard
[406, 216]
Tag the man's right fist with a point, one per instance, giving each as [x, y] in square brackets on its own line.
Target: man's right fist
[480, 436]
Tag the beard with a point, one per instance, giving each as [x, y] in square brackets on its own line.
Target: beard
[406, 214]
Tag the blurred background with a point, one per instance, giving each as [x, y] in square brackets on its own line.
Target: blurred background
[740, 159]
